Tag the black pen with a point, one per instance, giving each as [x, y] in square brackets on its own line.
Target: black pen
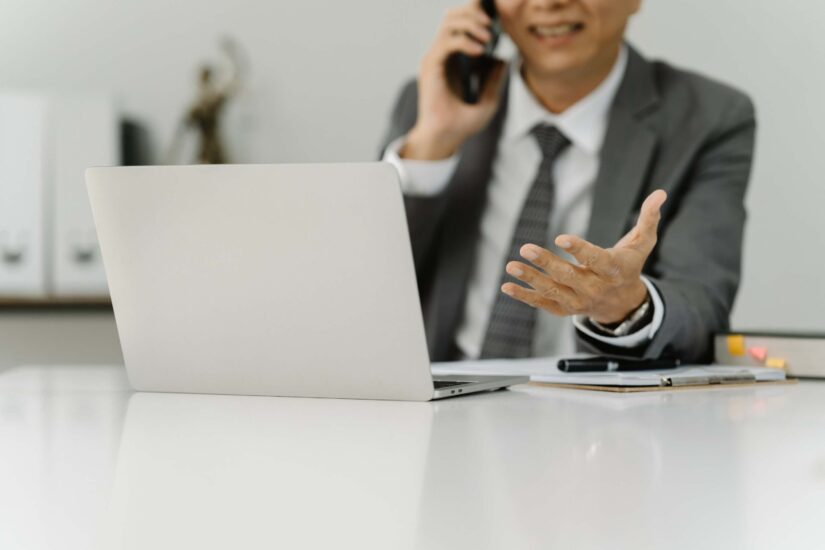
[613, 364]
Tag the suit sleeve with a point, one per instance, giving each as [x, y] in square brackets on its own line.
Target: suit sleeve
[697, 261]
[424, 213]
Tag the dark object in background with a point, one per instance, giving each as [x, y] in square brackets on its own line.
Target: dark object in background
[134, 144]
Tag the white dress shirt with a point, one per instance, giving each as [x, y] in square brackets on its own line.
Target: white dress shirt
[513, 172]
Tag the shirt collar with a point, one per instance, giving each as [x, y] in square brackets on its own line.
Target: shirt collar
[584, 123]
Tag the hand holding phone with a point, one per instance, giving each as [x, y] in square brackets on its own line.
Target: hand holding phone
[445, 120]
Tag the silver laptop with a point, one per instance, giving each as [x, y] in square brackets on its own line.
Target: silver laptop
[287, 280]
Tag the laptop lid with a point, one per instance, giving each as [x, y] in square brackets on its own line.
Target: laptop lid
[291, 280]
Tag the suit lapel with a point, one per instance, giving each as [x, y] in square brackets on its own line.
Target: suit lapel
[627, 151]
[468, 197]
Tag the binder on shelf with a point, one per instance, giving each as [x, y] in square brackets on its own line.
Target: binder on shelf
[23, 172]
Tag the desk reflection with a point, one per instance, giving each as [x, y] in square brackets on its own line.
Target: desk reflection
[575, 469]
[209, 471]
[526, 468]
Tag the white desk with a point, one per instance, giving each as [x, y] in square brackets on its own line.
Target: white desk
[84, 463]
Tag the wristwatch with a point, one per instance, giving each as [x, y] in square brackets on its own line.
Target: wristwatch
[636, 320]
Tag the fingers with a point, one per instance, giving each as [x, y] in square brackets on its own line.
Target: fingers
[467, 20]
[561, 271]
[468, 26]
[643, 235]
[472, 10]
[543, 284]
[651, 212]
[533, 298]
[461, 43]
[593, 257]
[464, 30]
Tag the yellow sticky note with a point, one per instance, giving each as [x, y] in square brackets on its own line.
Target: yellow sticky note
[736, 345]
[776, 363]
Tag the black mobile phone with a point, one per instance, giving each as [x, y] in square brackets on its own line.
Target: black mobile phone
[466, 74]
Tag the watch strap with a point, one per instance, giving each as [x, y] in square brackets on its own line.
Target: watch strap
[641, 316]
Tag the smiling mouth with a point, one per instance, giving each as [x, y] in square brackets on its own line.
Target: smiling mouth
[556, 31]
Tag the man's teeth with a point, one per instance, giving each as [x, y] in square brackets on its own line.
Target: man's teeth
[556, 30]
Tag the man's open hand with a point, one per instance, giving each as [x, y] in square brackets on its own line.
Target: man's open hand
[606, 284]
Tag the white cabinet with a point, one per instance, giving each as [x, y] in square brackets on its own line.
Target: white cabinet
[48, 245]
[85, 133]
[23, 183]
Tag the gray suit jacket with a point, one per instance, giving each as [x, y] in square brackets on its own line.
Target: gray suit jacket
[668, 129]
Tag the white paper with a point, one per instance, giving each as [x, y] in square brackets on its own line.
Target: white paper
[545, 369]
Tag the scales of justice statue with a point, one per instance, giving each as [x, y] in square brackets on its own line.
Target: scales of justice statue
[204, 114]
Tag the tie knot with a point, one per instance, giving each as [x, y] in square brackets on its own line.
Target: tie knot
[551, 141]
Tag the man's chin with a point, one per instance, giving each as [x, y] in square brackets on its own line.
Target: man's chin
[557, 67]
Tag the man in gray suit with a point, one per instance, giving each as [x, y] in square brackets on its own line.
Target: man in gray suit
[579, 136]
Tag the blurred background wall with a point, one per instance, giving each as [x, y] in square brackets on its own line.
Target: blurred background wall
[775, 52]
[323, 76]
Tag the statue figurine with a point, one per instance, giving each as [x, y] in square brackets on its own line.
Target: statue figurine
[205, 112]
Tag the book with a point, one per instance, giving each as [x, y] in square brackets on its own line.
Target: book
[801, 355]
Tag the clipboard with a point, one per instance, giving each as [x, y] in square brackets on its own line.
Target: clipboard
[544, 372]
[680, 378]
[639, 389]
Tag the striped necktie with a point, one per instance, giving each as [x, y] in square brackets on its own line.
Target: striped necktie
[512, 323]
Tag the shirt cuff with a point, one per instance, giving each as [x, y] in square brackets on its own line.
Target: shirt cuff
[641, 336]
[422, 178]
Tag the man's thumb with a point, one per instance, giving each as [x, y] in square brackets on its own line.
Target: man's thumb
[643, 234]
